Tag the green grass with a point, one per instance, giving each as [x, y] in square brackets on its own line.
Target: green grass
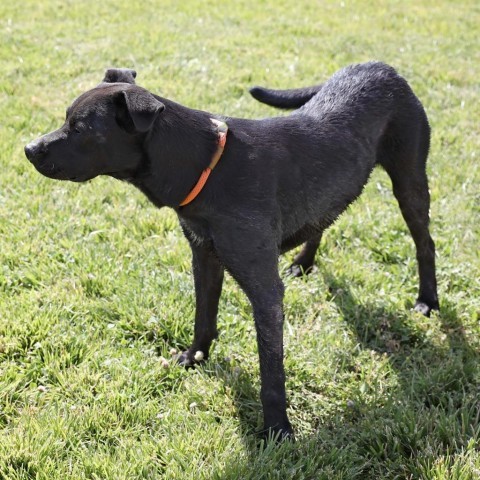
[95, 283]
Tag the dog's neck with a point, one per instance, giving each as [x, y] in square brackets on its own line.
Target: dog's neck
[176, 151]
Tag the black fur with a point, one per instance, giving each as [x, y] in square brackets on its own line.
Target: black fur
[289, 99]
[120, 75]
[280, 182]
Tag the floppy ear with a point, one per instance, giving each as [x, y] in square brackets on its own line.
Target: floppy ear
[137, 109]
[120, 75]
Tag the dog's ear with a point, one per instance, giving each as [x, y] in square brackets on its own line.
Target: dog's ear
[120, 75]
[137, 109]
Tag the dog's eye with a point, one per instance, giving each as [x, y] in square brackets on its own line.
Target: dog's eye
[76, 126]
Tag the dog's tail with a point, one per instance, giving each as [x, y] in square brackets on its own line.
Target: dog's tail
[293, 98]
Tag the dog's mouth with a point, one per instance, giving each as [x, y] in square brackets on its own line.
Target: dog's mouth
[78, 179]
[122, 175]
[50, 170]
[56, 173]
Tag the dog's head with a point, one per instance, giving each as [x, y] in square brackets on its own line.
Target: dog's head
[103, 132]
[120, 75]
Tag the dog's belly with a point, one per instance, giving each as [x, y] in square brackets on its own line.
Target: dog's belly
[316, 210]
[300, 236]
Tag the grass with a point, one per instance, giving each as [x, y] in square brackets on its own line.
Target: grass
[95, 283]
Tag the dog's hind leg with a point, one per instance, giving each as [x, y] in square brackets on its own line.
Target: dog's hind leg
[414, 201]
[405, 163]
[208, 279]
[303, 262]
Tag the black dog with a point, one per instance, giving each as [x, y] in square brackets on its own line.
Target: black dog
[280, 182]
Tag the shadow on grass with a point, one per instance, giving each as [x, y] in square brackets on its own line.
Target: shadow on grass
[400, 336]
[432, 415]
[434, 412]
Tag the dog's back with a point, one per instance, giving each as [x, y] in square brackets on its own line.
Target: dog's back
[365, 81]
[371, 99]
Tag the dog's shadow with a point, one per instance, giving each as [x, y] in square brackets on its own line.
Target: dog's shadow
[438, 384]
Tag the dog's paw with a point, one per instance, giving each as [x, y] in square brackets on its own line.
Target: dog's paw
[297, 271]
[424, 308]
[277, 434]
[189, 359]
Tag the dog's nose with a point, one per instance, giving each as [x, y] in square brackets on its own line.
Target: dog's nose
[35, 151]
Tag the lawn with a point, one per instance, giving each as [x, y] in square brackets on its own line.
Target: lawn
[96, 285]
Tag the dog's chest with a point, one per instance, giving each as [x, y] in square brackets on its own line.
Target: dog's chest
[196, 231]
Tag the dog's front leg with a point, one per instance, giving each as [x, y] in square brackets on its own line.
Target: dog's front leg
[252, 259]
[267, 303]
[208, 279]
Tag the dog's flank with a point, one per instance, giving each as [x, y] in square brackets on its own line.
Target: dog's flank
[281, 182]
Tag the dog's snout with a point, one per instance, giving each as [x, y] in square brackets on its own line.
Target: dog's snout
[35, 150]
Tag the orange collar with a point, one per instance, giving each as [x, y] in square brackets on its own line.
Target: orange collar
[222, 129]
